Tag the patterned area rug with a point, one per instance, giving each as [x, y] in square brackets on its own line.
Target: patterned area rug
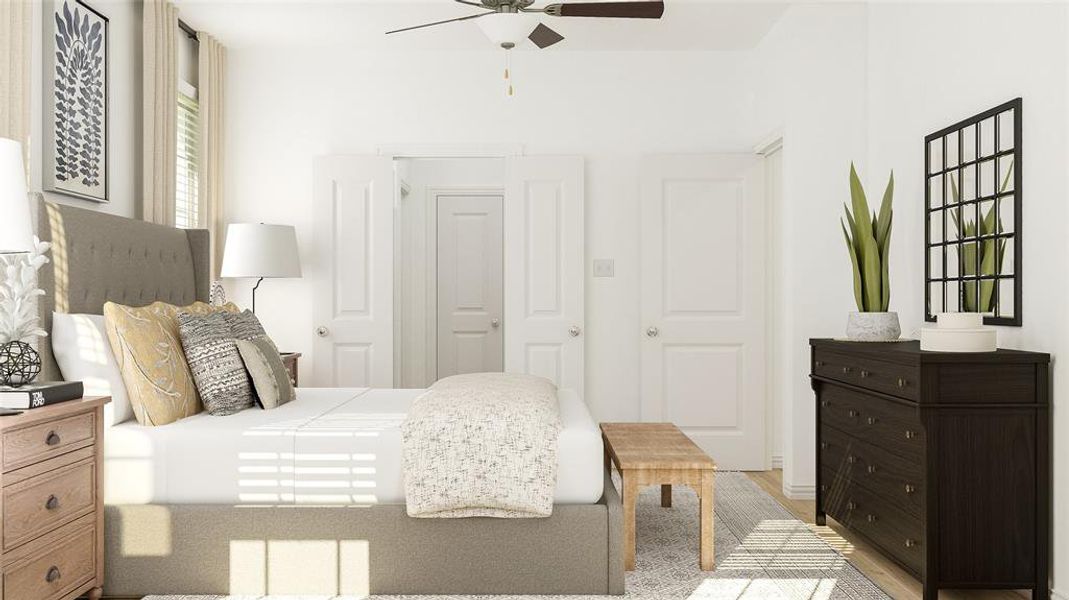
[762, 552]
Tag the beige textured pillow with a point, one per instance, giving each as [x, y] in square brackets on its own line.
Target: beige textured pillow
[269, 375]
[148, 349]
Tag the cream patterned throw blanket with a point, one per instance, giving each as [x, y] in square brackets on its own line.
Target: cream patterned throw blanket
[482, 445]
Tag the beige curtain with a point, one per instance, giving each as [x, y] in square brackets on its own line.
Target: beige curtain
[211, 75]
[159, 111]
[15, 27]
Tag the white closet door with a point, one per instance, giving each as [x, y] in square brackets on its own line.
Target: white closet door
[544, 257]
[354, 275]
[703, 302]
[469, 285]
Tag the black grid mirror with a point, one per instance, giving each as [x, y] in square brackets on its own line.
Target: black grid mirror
[972, 239]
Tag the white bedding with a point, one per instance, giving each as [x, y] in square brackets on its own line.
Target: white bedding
[329, 446]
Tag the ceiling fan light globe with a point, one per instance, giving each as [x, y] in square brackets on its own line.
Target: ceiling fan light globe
[508, 29]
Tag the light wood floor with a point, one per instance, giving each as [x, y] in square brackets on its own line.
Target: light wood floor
[896, 582]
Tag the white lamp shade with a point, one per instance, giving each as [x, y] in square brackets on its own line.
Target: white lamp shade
[258, 250]
[16, 229]
[508, 28]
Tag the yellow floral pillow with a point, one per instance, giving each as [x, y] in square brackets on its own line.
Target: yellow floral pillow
[147, 347]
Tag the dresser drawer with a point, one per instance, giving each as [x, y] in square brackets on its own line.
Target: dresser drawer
[881, 376]
[53, 570]
[890, 425]
[892, 477]
[896, 532]
[39, 504]
[45, 440]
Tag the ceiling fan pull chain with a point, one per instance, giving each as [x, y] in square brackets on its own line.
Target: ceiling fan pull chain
[508, 73]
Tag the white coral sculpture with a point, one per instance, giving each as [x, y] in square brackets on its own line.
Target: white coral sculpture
[18, 292]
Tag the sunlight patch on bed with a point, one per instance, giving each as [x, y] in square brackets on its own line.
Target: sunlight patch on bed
[304, 567]
[145, 530]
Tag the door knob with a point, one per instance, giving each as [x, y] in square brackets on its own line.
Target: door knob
[322, 331]
[495, 323]
[653, 332]
[574, 331]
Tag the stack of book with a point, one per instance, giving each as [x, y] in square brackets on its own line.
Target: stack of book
[36, 395]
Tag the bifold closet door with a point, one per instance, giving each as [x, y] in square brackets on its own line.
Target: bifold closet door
[544, 257]
[703, 302]
[354, 271]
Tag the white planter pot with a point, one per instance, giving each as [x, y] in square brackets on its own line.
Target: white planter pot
[873, 326]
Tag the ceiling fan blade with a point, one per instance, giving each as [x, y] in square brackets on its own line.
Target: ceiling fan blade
[620, 10]
[544, 37]
[442, 22]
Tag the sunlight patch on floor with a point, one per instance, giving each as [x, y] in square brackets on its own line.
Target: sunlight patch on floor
[785, 544]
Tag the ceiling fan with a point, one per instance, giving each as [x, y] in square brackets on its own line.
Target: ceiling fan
[507, 22]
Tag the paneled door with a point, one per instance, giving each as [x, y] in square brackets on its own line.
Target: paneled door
[544, 257]
[470, 286]
[354, 270]
[703, 302]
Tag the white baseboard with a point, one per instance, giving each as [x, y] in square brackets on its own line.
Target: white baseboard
[1056, 595]
[777, 461]
[799, 492]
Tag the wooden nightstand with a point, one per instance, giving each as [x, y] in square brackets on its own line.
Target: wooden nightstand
[289, 359]
[51, 474]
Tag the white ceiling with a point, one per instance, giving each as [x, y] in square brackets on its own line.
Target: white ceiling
[360, 24]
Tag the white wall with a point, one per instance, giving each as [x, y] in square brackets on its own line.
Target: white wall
[124, 108]
[288, 105]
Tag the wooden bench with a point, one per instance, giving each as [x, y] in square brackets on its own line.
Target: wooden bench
[660, 454]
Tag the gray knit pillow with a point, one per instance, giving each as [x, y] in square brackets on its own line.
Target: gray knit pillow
[245, 325]
[215, 362]
[269, 376]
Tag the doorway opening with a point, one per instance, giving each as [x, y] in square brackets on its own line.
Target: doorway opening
[448, 268]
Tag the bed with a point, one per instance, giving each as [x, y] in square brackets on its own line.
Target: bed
[308, 498]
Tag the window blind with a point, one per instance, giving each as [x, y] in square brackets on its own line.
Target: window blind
[187, 205]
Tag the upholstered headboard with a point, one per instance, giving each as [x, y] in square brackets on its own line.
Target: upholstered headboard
[97, 258]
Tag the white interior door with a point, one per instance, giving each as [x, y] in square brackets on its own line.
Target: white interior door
[354, 277]
[703, 302]
[470, 286]
[544, 257]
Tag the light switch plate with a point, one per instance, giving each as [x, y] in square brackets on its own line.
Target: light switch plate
[604, 267]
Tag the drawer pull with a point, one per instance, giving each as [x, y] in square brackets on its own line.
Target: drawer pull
[864, 374]
[824, 445]
[825, 403]
[52, 503]
[910, 543]
[851, 459]
[910, 434]
[910, 488]
[870, 518]
[823, 488]
[871, 420]
[819, 363]
[53, 575]
[872, 469]
[847, 369]
[851, 506]
[52, 439]
[853, 413]
[902, 382]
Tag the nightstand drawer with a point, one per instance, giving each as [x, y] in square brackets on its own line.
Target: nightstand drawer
[42, 503]
[54, 570]
[43, 441]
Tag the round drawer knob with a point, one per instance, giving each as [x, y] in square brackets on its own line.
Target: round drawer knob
[910, 543]
[824, 445]
[910, 434]
[864, 374]
[825, 403]
[870, 518]
[872, 469]
[910, 488]
[851, 459]
[847, 369]
[52, 439]
[823, 488]
[850, 506]
[871, 420]
[853, 413]
[902, 382]
[52, 503]
[53, 575]
[819, 363]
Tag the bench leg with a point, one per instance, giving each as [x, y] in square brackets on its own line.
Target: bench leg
[630, 493]
[666, 496]
[707, 496]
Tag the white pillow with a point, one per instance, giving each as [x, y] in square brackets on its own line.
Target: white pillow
[83, 354]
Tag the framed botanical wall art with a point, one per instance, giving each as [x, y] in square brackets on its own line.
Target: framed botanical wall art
[973, 196]
[76, 100]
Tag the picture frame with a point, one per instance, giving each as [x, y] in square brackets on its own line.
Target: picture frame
[76, 96]
[972, 219]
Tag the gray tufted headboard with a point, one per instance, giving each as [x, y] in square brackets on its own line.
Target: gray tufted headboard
[97, 258]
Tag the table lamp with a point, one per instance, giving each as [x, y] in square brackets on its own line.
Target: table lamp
[260, 251]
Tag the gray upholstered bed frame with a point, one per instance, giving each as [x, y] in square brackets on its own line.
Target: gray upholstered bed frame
[222, 549]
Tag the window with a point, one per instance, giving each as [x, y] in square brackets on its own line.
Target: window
[187, 204]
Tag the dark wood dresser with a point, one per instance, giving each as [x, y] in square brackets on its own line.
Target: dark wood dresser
[940, 460]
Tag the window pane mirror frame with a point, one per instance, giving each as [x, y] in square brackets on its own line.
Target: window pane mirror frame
[972, 200]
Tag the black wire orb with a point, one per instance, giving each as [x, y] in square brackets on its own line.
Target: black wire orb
[19, 364]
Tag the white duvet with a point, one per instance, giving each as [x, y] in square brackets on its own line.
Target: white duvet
[330, 446]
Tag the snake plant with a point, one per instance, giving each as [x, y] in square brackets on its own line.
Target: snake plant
[992, 250]
[868, 241]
